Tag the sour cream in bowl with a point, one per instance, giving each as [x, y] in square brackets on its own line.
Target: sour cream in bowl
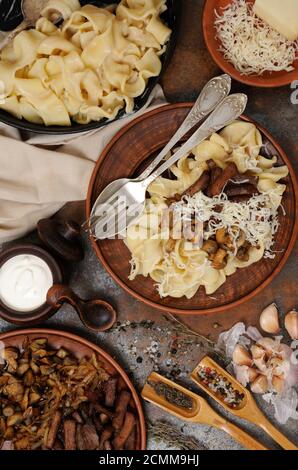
[27, 272]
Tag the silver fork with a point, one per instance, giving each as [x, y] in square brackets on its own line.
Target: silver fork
[212, 94]
[134, 193]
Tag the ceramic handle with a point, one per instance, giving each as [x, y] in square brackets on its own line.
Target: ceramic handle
[96, 315]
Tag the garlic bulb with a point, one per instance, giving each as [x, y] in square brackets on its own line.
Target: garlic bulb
[291, 324]
[269, 319]
[260, 385]
[241, 356]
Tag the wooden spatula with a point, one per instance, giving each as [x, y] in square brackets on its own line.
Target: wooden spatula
[246, 409]
[193, 408]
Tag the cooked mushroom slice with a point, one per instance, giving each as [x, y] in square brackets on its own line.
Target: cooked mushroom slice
[16, 418]
[219, 260]
[10, 355]
[29, 378]
[230, 241]
[14, 390]
[8, 411]
[9, 433]
[243, 251]
[210, 246]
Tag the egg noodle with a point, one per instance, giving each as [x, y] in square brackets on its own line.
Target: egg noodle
[88, 68]
[176, 264]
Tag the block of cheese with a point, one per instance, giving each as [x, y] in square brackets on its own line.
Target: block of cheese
[281, 15]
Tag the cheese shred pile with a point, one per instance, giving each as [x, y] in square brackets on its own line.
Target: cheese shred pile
[252, 46]
[257, 218]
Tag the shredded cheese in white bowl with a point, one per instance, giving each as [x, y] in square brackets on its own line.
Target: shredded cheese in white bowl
[252, 46]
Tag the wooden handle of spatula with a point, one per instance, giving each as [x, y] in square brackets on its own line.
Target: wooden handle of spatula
[239, 435]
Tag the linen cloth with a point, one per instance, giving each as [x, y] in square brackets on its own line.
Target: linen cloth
[40, 173]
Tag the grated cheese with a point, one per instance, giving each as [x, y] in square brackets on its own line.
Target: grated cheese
[257, 218]
[252, 46]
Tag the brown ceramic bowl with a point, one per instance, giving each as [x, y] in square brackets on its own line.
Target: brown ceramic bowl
[43, 312]
[267, 80]
[80, 347]
[135, 144]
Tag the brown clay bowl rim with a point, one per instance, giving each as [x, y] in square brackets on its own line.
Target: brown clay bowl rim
[173, 310]
[44, 311]
[78, 339]
[273, 81]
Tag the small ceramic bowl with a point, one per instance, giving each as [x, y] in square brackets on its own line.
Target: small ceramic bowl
[45, 311]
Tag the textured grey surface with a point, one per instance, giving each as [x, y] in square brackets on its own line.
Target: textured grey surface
[89, 280]
[190, 68]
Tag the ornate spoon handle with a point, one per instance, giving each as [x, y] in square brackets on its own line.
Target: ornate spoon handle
[211, 95]
[6, 38]
[226, 112]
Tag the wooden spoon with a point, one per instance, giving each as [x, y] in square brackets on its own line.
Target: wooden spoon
[199, 412]
[247, 409]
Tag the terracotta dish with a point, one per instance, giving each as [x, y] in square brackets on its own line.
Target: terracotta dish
[124, 157]
[268, 79]
[80, 348]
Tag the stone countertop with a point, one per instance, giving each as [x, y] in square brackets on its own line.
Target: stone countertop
[141, 347]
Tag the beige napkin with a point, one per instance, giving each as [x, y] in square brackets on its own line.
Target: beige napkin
[36, 181]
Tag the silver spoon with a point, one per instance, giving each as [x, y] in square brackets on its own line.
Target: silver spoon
[31, 10]
[212, 94]
[133, 194]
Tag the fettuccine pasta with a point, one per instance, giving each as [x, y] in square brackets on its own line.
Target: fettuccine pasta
[241, 232]
[87, 69]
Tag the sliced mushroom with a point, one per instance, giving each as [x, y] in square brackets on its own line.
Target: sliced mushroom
[210, 246]
[219, 260]
[10, 355]
[16, 418]
[8, 411]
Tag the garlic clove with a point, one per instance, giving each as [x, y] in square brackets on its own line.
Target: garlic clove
[278, 384]
[259, 385]
[252, 374]
[260, 364]
[241, 356]
[276, 365]
[271, 346]
[257, 351]
[291, 324]
[269, 319]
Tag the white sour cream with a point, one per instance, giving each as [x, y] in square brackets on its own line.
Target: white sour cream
[24, 282]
